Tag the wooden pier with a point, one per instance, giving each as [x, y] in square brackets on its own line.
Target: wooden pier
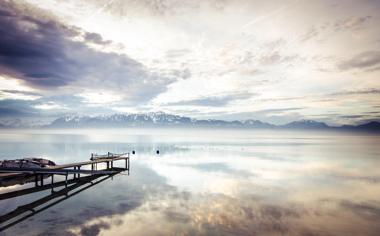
[60, 190]
[71, 168]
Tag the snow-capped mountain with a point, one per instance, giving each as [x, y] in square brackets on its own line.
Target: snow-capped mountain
[161, 119]
[147, 120]
[305, 124]
[120, 120]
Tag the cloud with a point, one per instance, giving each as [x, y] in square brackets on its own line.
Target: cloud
[354, 23]
[176, 53]
[276, 110]
[352, 116]
[49, 106]
[16, 108]
[41, 52]
[94, 229]
[213, 101]
[18, 94]
[357, 92]
[363, 60]
[313, 32]
[96, 38]
[363, 209]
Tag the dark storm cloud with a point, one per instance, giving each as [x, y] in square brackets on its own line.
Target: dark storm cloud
[361, 61]
[213, 101]
[33, 49]
[40, 51]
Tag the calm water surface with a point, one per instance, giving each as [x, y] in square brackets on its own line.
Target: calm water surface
[206, 182]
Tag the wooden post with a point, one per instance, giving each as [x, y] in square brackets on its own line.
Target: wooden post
[42, 179]
[108, 164]
[36, 180]
[66, 180]
[79, 173]
[52, 183]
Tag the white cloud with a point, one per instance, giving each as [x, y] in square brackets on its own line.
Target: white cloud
[50, 106]
[94, 98]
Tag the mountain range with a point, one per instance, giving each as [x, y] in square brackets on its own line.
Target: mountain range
[161, 119]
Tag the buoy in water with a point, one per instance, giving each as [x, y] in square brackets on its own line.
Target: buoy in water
[158, 152]
[133, 152]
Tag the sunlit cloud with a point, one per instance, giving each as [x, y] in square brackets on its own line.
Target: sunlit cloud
[99, 98]
[50, 106]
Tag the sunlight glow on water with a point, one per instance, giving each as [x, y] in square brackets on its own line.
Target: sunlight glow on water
[209, 182]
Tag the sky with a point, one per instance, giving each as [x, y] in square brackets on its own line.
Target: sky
[276, 60]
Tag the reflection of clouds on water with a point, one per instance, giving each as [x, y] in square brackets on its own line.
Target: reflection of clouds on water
[219, 167]
[106, 199]
[251, 185]
[218, 214]
[94, 229]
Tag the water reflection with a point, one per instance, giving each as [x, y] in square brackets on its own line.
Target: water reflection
[211, 183]
[23, 212]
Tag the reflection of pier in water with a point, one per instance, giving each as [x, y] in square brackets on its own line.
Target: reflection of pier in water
[78, 183]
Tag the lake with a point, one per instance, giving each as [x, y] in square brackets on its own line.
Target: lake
[205, 182]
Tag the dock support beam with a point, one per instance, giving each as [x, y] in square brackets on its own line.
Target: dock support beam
[42, 179]
[127, 164]
[36, 179]
[66, 179]
[52, 183]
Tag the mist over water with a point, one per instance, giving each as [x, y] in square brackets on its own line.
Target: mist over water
[208, 182]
